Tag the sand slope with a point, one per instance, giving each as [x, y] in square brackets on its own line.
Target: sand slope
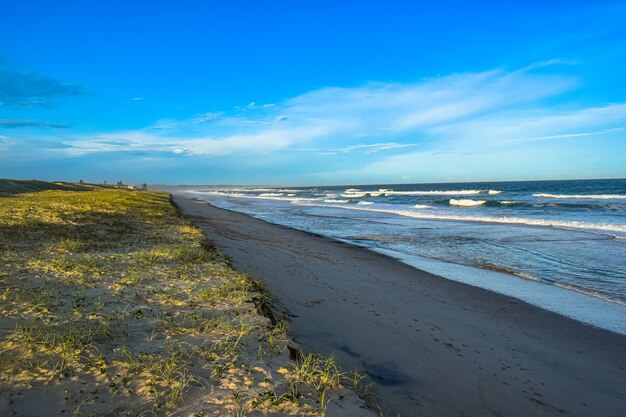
[435, 347]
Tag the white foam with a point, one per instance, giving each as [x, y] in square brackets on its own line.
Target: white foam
[255, 190]
[265, 196]
[422, 206]
[466, 203]
[494, 192]
[620, 228]
[450, 192]
[353, 195]
[583, 196]
[352, 190]
[509, 202]
[592, 293]
[224, 193]
[365, 203]
[487, 219]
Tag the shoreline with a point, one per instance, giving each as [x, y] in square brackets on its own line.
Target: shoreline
[581, 306]
[516, 221]
[423, 336]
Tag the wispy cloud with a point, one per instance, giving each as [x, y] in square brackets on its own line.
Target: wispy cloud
[375, 147]
[207, 117]
[531, 125]
[21, 88]
[571, 135]
[385, 127]
[346, 119]
[16, 123]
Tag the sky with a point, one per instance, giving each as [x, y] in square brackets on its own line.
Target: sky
[312, 92]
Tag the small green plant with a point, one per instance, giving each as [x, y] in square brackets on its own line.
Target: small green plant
[130, 278]
[318, 374]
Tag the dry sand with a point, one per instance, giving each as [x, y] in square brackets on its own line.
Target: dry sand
[434, 347]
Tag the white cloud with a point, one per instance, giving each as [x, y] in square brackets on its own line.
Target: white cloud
[516, 127]
[458, 113]
[206, 117]
[375, 147]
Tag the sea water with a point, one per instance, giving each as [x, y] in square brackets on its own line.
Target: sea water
[558, 244]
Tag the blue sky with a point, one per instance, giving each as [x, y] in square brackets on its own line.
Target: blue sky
[318, 92]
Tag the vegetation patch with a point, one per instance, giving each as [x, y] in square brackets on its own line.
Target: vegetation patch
[113, 304]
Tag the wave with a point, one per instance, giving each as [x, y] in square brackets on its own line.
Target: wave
[422, 206]
[498, 268]
[336, 201]
[436, 192]
[264, 196]
[353, 195]
[583, 196]
[295, 198]
[494, 192]
[352, 190]
[224, 193]
[365, 203]
[591, 293]
[269, 190]
[466, 203]
[484, 219]
[560, 205]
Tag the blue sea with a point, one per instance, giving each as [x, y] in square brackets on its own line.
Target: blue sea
[560, 245]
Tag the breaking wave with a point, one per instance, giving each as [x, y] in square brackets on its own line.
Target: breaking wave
[439, 192]
[583, 196]
[466, 203]
[484, 219]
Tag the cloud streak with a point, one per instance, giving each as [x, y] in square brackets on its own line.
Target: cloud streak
[24, 89]
[353, 118]
[17, 123]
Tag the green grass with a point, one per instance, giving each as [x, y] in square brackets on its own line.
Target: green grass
[114, 290]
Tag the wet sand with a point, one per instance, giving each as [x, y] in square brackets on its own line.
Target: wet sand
[434, 347]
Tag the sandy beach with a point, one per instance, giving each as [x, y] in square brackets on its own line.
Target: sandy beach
[433, 347]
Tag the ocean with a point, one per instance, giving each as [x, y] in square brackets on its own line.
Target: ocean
[560, 245]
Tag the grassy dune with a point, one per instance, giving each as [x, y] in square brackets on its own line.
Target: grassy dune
[112, 304]
[14, 187]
